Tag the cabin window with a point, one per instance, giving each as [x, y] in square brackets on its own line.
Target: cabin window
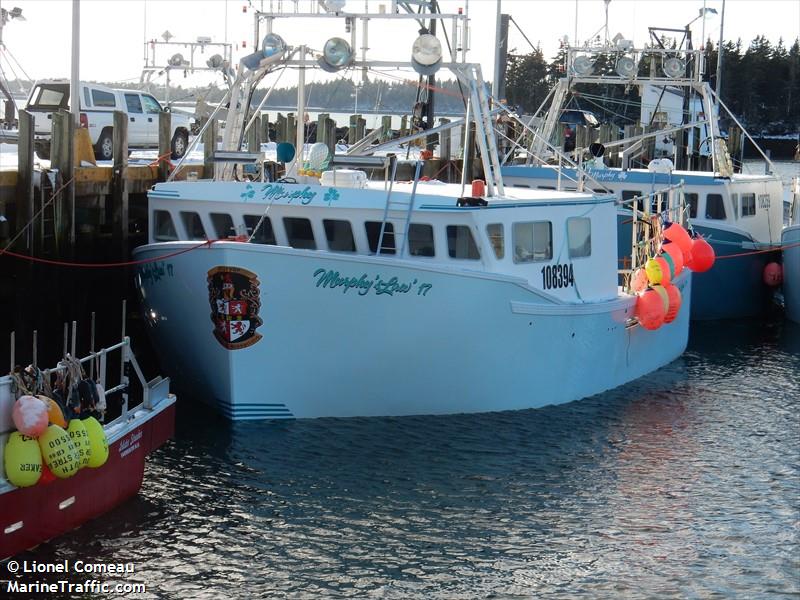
[691, 202]
[763, 201]
[193, 225]
[223, 224]
[545, 187]
[533, 241]
[265, 234]
[496, 239]
[101, 98]
[151, 105]
[628, 195]
[133, 103]
[715, 207]
[460, 243]
[579, 235]
[299, 233]
[521, 185]
[339, 235]
[748, 205]
[735, 205]
[87, 99]
[373, 229]
[163, 227]
[420, 240]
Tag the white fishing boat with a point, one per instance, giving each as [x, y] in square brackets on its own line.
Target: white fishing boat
[739, 214]
[352, 296]
[790, 239]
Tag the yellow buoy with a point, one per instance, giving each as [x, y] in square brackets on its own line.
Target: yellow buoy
[98, 441]
[22, 460]
[54, 413]
[653, 270]
[59, 452]
[80, 439]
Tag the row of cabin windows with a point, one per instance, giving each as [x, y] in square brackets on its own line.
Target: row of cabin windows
[715, 204]
[532, 241]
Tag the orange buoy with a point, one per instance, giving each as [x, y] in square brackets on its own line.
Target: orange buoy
[478, 188]
[54, 413]
[676, 254]
[674, 296]
[650, 309]
[674, 232]
[773, 274]
[703, 256]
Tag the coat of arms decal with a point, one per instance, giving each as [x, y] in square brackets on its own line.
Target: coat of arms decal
[235, 300]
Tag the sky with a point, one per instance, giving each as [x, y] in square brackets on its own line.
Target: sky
[112, 32]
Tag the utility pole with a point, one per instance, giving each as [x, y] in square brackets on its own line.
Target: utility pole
[74, 92]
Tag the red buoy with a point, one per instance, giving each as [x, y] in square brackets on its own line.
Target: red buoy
[773, 274]
[674, 296]
[676, 233]
[676, 254]
[478, 188]
[650, 310]
[703, 256]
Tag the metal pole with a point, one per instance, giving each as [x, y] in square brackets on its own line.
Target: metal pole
[74, 92]
[301, 112]
[719, 57]
[13, 347]
[496, 78]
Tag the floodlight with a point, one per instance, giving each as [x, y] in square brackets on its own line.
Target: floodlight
[426, 54]
[583, 65]
[273, 46]
[333, 6]
[626, 67]
[674, 67]
[176, 60]
[336, 55]
[16, 13]
[215, 62]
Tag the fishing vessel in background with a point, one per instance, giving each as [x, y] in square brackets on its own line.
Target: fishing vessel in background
[42, 497]
[738, 214]
[790, 238]
[355, 294]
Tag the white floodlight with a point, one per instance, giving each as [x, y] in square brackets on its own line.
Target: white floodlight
[273, 46]
[583, 66]
[625, 67]
[336, 55]
[333, 6]
[674, 67]
[167, 36]
[215, 62]
[426, 54]
[16, 13]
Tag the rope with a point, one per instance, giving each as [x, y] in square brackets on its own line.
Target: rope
[82, 265]
[795, 245]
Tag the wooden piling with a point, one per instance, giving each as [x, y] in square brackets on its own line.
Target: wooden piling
[119, 192]
[164, 144]
[281, 129]
[25, 209]
[254, 135]
[61, 158]
[209, 146]
[444, 141]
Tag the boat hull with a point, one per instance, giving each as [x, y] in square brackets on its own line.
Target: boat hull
[734, 287]
[453, 342]
[791, 272]
[30, 516]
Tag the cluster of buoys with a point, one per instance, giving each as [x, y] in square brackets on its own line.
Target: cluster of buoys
[658, 300]
[46, 447]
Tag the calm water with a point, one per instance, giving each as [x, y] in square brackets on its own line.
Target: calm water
[682, 484]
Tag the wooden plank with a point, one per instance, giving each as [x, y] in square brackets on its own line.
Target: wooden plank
[209, 146]
[254, 136]
[25, 174]
[63, 133]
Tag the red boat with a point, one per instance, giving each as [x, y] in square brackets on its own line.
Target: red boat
[32, 515]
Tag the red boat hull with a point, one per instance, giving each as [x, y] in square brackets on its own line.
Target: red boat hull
[30, 516]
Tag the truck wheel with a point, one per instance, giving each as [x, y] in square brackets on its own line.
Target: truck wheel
[42, 149]
[180, 142]
[104, 148]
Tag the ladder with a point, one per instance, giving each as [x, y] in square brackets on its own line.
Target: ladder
[397, 213]
[544, 134]
[48, 241]
[484, 128]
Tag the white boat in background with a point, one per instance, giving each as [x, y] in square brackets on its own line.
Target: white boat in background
[790, 239]
[737, 214]
[358, 297]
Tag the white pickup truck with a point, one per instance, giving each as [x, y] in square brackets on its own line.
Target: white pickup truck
[98, 104]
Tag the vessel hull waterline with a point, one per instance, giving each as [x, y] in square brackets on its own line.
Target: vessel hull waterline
[453, 342]
[791, 272]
